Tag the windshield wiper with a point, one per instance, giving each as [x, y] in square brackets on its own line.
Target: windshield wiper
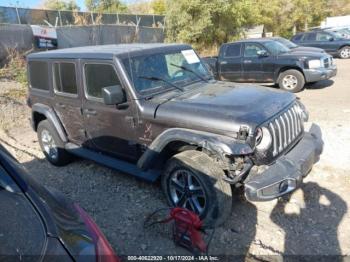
[154, 78]
[191, 71]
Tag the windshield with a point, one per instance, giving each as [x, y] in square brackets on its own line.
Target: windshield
[153, 73]
[276, 48]
[286, 42]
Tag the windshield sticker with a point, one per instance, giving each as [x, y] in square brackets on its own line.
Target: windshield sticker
[190, 56]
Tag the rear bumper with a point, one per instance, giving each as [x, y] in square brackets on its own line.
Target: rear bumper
[314, 75]
[287, 173]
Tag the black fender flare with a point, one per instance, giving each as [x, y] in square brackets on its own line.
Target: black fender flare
[218, 144]
[51, 116]
[280, 69]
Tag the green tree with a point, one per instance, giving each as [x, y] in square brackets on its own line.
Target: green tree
[208, 23]
[338, 7]
[140, 8]
[204, 23]
[106, 6]
[69, 5]
[158, 7]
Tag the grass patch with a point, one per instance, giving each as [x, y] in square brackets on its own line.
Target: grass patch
[16, 94]
[15, 67]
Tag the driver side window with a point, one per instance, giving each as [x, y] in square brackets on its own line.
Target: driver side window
[251, 50]
[98, 76]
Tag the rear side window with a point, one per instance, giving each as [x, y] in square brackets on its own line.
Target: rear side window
[297, 37]
[65, 78]
[309, 37]
[233, 50]
[38, 75]
[98, 76]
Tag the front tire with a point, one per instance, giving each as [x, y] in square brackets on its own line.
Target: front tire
[344, 52]
[291, 80]
[52, 145]
[193, 180]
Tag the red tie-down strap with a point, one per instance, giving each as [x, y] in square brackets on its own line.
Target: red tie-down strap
[188, 227]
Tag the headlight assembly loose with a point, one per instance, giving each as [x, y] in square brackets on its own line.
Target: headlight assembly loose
[263, 139]
[303, 111]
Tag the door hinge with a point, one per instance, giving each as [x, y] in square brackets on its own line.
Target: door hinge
[131, 120]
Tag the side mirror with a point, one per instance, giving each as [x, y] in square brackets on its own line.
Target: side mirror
[331, 39]
[113, 95]
[262, 53]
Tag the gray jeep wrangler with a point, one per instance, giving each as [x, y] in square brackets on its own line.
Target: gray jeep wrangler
[154, 111]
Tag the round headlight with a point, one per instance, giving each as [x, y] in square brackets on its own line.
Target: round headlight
[263, 139]
[301, 109]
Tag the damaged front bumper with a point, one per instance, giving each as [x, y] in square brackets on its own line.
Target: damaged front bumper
[287, 173]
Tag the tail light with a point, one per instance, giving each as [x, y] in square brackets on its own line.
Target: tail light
[104, 251]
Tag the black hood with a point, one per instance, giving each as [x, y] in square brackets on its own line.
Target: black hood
[223, 107]
[307, 49]
[297, 54]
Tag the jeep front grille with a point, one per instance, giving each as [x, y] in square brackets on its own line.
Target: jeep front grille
[286, 128]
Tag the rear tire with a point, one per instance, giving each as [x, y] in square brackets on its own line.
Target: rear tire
[291, 80]
[344, 52]
[194, 181]
[52, 145]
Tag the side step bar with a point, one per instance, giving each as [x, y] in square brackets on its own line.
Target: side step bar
[113, 163]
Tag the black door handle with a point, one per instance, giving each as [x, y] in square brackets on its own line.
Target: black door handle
[90, 112]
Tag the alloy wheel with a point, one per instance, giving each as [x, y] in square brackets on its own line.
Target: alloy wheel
[290, 82]
[345, 53]
[49, 144]
[186, 191]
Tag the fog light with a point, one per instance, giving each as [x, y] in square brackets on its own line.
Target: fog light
[283, 186]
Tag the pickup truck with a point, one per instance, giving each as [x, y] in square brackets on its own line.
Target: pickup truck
[268, 61]
[154, 111]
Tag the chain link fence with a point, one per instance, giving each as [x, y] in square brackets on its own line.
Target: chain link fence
[107, 34]
[14, 15]
[20, 37]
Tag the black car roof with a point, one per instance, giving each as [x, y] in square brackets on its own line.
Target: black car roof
[102, 51]
[260, 40]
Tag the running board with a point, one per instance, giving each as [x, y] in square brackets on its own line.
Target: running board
[113, 163]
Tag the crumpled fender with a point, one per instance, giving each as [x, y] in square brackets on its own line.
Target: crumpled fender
[218, 144]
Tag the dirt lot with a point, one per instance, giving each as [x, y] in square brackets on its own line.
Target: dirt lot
[314, 221]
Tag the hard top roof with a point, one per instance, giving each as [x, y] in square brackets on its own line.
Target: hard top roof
[102, 51]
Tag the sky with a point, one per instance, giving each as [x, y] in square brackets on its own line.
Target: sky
[36, 3]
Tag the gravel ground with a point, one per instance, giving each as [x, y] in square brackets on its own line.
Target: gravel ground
[313, 221]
